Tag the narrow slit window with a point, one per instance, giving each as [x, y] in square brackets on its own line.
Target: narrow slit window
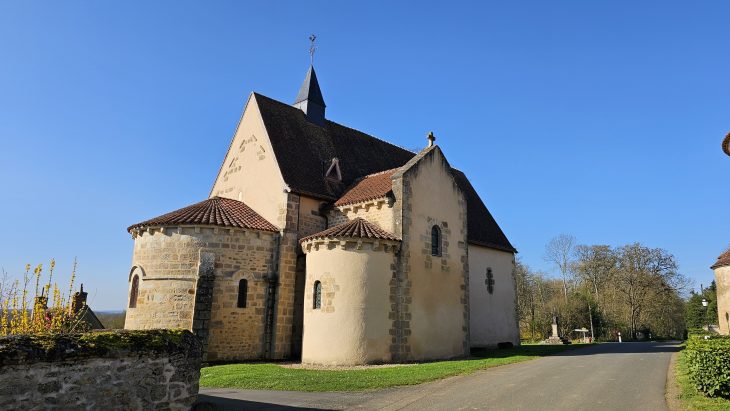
[435, 241]
[134, 292]
[317, 295]
[242, 293]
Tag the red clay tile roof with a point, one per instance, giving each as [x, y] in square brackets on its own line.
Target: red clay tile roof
[726, 144]
[216, 211]
[370, 187]
[723, 260]
[357, 228]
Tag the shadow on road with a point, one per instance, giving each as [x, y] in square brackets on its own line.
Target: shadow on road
[647, 347]
[208, 403]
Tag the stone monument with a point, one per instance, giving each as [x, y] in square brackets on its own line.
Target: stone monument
[555, 335]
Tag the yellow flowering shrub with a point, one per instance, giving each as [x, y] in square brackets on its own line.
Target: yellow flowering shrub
[47, 311]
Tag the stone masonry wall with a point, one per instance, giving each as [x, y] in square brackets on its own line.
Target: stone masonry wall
[285, 301]
[176, 256]
[120, 370]
[379, 212]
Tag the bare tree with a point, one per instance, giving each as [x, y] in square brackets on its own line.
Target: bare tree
[559, 251]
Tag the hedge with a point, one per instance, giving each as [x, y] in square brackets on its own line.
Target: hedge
[708, 362]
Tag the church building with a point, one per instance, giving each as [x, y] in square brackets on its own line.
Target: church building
[322, 243]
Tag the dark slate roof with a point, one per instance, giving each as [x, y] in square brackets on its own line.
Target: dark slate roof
[481, 228]
[310, 89]
[726, 144]
[723, 260]
[89, 317]
[304, 150]
[357, 228]
[215, 211]
[370, 187]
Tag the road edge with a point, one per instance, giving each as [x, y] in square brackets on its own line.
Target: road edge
[672, 390]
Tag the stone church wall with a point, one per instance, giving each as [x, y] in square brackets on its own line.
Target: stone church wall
[492, 317]
[379, 212]
[310, 219]
[170, 261]
[432, 304]
[353, 325]
[249, 172]
[722, 279]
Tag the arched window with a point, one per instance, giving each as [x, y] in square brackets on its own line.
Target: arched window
[435, 240]
[490, 281]
[134, 292]
[317, 295]
[242, 292]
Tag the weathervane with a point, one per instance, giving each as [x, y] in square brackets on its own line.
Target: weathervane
[312, 48]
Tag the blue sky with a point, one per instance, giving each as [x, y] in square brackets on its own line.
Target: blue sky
[603, 121]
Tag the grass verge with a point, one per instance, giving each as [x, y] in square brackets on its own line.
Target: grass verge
[275, 377]
[690, 398]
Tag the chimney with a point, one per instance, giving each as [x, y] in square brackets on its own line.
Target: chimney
[79, 300]
[40, 306]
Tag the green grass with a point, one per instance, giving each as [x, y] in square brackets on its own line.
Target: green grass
[689, 396]
[275, 377]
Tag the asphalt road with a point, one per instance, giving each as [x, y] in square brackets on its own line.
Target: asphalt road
[612, 376]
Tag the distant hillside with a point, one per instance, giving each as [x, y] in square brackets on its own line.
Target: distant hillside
[111, 319]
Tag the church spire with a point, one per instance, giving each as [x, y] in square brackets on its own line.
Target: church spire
[309, 99]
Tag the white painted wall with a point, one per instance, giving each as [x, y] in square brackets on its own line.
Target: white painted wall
[352, 326]
[250, 172]
[492, 317]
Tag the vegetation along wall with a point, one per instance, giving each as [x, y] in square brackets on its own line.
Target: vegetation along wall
[111, 370]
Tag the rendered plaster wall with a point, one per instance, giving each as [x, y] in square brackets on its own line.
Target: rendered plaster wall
[492, 317]
[310, 219]
[722, 279]
[170, 261]
[352, 326]
[249, 172]
[432, 298]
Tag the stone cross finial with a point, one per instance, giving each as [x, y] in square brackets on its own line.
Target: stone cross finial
[431, 138]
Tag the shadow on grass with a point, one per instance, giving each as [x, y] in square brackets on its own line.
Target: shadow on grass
[209, 403]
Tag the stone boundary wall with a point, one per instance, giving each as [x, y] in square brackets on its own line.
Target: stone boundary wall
[111, 370]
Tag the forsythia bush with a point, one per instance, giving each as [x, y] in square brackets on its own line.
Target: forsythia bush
[708, 361]
[47, 311]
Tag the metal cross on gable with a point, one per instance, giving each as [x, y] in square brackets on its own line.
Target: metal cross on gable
[312, 48]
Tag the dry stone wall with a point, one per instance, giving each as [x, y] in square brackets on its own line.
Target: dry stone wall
[110, 370]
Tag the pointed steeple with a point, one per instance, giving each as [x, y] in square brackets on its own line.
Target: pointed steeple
[310, 100]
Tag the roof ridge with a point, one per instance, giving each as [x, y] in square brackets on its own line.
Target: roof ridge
[341, 125]
[379, 173]
[370, 135]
